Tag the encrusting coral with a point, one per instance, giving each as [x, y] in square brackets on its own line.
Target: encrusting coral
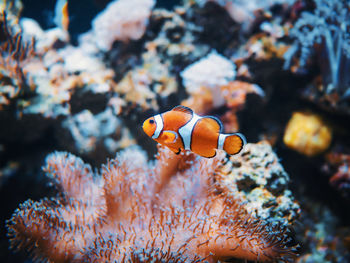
[258, 178]
[170, 210]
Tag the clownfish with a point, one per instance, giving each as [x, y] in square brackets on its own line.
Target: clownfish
[181, 129]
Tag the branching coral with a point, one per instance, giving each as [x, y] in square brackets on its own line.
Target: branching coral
[171, 210]
[13, 52]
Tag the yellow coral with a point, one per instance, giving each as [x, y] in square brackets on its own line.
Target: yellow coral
[307, 133]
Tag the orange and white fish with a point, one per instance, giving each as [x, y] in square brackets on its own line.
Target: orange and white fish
[182, 129]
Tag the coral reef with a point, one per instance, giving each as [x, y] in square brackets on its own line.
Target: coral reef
[12, 10]
[325, 34]
[328, 27]
[337, 166]
[14, 51]
[210, 73]
[172, 210]
[59, 72]
[233, 96]
[121, 20]
[264, 46]
[245, 11]
[86, 131]
[174, 38]
[145, 84]
[307, 133]
[67, 82]
[257, 178]
[324, 237]
[86, 89]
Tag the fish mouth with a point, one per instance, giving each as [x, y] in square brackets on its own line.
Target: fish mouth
[144, 128]
[148, 128]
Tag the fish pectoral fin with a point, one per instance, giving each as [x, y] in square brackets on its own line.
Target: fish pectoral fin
[169, 137]
[174, 150]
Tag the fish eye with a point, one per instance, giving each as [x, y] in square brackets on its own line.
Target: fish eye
[151, 121]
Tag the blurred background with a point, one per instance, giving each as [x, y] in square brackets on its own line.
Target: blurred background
[83, 77]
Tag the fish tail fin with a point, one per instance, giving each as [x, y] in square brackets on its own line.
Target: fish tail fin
[233, 143]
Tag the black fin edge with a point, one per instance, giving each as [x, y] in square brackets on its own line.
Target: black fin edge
[218, 121]
[242, 137]
[209, 157]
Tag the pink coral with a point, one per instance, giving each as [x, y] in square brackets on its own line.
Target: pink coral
[338, 165]
[171, 210]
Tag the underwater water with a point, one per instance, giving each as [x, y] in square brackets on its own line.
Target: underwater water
[253, 167]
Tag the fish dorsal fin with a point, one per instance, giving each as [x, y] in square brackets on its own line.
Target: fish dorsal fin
[215, 123]
[183, 109]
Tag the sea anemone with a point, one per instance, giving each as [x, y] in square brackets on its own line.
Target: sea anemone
[170, 210]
